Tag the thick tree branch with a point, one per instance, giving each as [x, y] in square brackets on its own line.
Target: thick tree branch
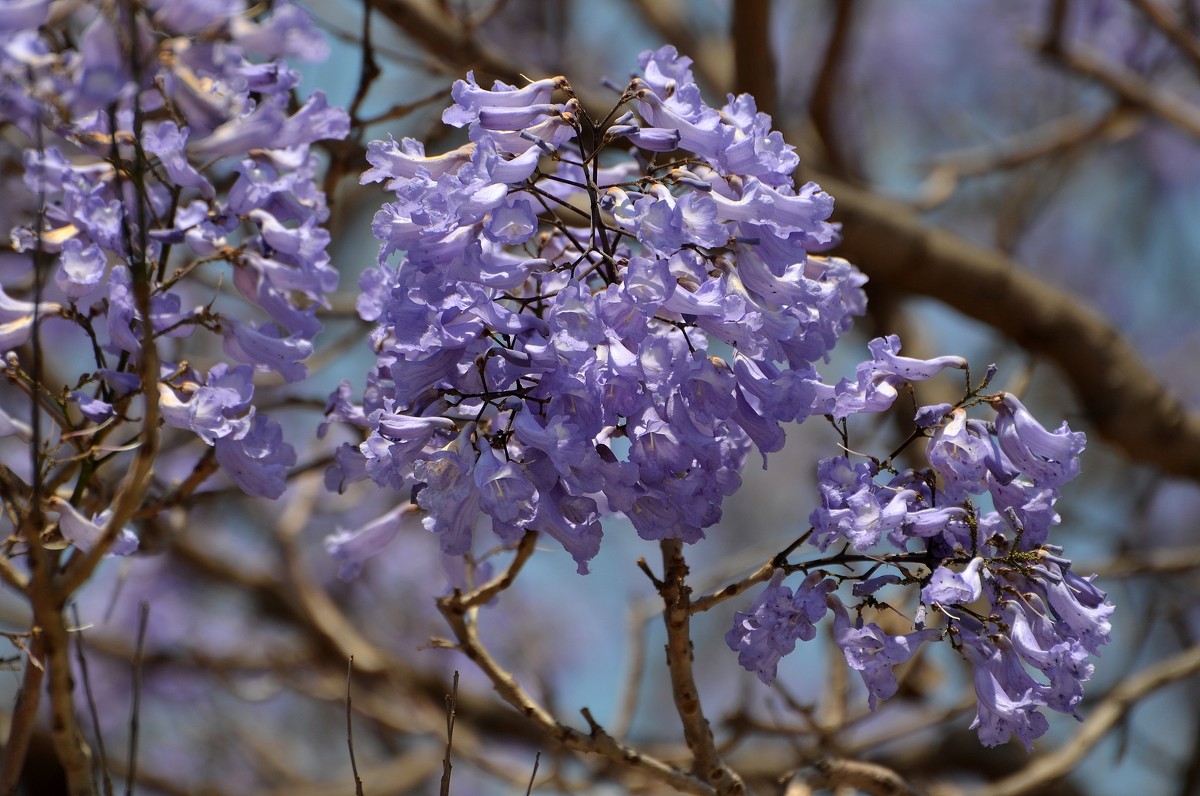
[754, 70]
[826, 87]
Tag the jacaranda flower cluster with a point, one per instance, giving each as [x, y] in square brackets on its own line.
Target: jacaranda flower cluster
[1011, 604]
[591, 316]
[162, 147]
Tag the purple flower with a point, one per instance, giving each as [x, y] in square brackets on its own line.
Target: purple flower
[776, 620]
[81, 269]
[266, 348]
[1047, 458]
[449, 494]
[257, 462]
[85, 534]
[23, 14]
[999, 715]
[12, 427]
[872, 652]
[168, 142]
[949, 587]
[16, 319]
[854, 507]
[1078, 606]
[505, 493]
[877, 380]
[353, 547]
[214, 410]
[963, 453]
[288, 32]
[930, 416]
[92, 408]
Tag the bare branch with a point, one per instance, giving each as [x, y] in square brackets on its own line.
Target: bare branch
[869, 777]
[1165, 20]
[135, 713]
[434, 32]
[761, 574]
[1132, 89]
[451, 714]
[489, 590]
[358, 784]
[1056, 137]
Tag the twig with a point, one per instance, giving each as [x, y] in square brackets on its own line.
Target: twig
[870, 777]
[1056, 136]
[136, 708]
[631, 689]
[134, 486]
[733, 589]
[320, 612]
[485, 593]
[1170, 561]
[434, 33]
[358, 785]
[1106, 715]
[369, 69]
[106, 779]
[451, 714]
[69, 744]
[537, 758]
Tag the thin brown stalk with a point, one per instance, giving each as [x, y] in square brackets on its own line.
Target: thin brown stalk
[81, 659]
[135, 710]
[451, 715]
[866, 777]
[358, 784]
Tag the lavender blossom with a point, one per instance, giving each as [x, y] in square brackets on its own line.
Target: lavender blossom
[872, 652]
[778, 618]
[549, 337]
[129, 242]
